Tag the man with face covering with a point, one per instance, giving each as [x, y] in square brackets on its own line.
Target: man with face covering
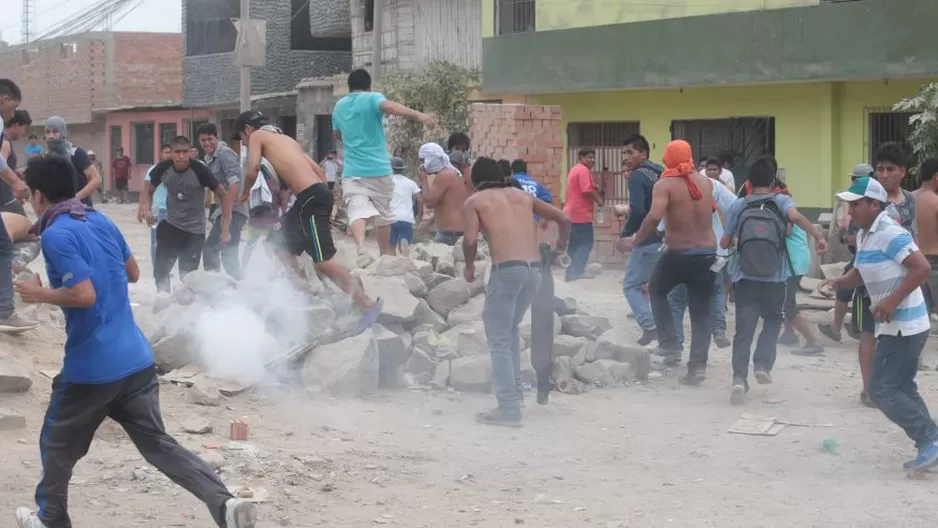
[88, 179]
[446, 195]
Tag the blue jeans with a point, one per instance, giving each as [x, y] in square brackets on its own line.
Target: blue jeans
[638, 270]
[579, 249]
[159, 218]
[678, 301]
[507, 297]
[6, 273]
[893, 388]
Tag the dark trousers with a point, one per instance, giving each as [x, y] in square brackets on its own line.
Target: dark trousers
[214, 255]
[755, 299]
[579, 248]
[6, 273]
[893, 388]
[174, 244]
[76, 411]
[676, 268]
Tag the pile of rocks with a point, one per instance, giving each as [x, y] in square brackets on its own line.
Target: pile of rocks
[430, 333]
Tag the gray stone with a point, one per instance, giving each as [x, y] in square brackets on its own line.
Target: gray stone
[208, 284]
[320, 318]
[392, 266]
[163, 301]
[580, 357]
[604, 372]
[423, 269]
[477, 286]
[14, 377]
[468, 339]
[441, 375]
[363, 260]
[203, 393]
[434, 344]
[172, 352]
[214, 459]
[445, 265]
[346, 368]
[431, 251]
[416, 285]
[587, 326]
[611, 345]
[399, 305]
[564, 305]
[10, 421]
[197, 426]
[392, 352]
[563, 375]
[182, 295]
[471, 374]
[594, 268]
[435, 279]
[392, 378]
[426, 318]
[467, 313]
[565, 345]
[447, 296]
[420, 362]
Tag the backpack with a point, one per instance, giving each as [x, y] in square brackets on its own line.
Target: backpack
[760, 243]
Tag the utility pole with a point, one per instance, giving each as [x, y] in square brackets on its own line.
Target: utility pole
[376, 27]
[245, 70]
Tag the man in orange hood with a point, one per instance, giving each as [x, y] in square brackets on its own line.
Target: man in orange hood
[683, 198]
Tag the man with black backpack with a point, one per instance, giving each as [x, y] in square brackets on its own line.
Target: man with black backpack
[759, 224]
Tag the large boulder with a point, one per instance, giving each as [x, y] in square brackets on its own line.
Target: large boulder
[435, 279]
[588, 326]
[426, 319]
[346, 368]
[447, 296]
[421, 365]
[468, 339]
[563, 375]
[565, 345]
[434, 344]
[14, 377]
[471, 374]
[603, 372]
[392, 266]
[431, 252]
[423, 269]
[466, 313]
[565, 305]
[400, 306]
[445, 265]
[320, 319]
[173, 352]
[615, 344]
[416, 285]
[392, 351]
[208, 284]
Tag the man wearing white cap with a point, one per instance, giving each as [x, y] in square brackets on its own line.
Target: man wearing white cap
[891, 267]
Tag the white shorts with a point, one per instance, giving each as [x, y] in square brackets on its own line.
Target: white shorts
[367, 198]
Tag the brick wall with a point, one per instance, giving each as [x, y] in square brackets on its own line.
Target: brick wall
[148, 68]
[535, 134]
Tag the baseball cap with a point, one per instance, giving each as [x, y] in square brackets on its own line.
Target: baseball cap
[251, 118]
[864, 187]
[862, 170]
[397, 165]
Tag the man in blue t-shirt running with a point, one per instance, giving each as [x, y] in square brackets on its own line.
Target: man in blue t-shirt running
[108, 370]
[519, 171]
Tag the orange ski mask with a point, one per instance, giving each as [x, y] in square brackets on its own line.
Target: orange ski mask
[679, 163]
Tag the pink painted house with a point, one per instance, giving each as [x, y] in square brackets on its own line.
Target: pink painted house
[140, 130]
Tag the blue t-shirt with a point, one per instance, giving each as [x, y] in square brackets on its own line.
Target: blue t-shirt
[159, 195]
[103, 343]
[358, 117]
[33, 150]
[534, 188]
[798, 250]
[785, 203]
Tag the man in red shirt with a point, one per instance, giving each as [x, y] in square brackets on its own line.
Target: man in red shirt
[120, 171]
[581, 198]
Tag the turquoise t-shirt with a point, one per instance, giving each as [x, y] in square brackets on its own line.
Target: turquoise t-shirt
[358, 117]
[798, 250]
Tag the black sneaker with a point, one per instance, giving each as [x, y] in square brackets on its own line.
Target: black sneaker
[647, 337]
[788, 339]
[828, 330]
[499, 416]
[866, 401]
[693, 377]
[721, 341]
[738, 394]
[852, 330]
[543, 397]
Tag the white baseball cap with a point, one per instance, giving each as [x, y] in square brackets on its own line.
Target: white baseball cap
[864, 187]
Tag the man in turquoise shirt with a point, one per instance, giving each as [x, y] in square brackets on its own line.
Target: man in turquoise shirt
[159, 201]
[367, 187]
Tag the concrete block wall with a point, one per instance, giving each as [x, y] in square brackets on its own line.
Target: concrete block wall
[535, 133]
[214, 80]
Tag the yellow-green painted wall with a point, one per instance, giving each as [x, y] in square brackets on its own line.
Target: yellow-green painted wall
[568, 14]
[819, 128]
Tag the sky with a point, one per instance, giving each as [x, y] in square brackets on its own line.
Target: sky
[151, 15]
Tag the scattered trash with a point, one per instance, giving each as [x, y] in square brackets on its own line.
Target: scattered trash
[829, 446]
[748, 424]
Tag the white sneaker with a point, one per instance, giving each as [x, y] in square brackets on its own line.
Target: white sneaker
[26, 518]
[239, 513]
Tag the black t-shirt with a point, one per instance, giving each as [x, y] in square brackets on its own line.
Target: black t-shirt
[81, 162]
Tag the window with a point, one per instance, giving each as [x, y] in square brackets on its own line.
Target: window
[301, 37]
[68, 50]
[117, 141]
[606, 139]
[369, 15]
[167, 133]
[143, 143]
[885, 126]
[746, 138]
[324, 140]
[209, 28]
[514, 16]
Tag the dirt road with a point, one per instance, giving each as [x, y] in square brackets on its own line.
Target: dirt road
[640, 456]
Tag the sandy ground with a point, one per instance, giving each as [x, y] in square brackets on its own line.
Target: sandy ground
[640, 456]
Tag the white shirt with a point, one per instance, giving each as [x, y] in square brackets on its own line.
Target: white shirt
[331, 166]
[402, 201]
[880, 254]
[727, 178]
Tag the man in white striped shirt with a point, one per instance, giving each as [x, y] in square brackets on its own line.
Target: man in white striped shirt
[891, 267]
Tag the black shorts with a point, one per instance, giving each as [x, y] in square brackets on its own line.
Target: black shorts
[845, 295]
[862, 316]
[791, 304]
[120, 184]
[307, 227]
[331, 185]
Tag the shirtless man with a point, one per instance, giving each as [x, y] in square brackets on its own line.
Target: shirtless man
[682, 197]
[926, 224]
[502, 211]
[446, 195]
[306, 226]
